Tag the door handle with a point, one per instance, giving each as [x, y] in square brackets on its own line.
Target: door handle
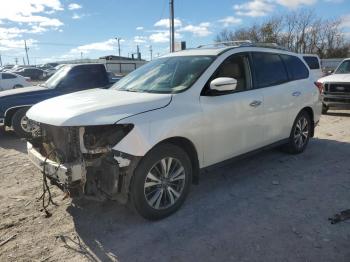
[255, 103]
[297, 93]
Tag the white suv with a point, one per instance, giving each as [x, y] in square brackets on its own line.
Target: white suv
[145, 140]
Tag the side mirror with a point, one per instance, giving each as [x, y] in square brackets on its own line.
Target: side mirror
[223, 84]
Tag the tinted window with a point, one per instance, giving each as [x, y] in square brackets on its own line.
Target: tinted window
[312, 62]
[84, 77]
[8, 76]
[237, 67]
[295, 67]
[269, 69]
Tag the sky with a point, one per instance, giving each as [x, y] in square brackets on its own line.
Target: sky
[57, 30]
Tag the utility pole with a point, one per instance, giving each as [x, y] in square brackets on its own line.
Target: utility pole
[81, 55]
[26, 48]
[0, 60]
[172, 28]
[16, 61]
[118, 40]
[151, 52]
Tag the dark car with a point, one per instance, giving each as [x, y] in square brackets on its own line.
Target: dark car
[32, 72]
[71, 78]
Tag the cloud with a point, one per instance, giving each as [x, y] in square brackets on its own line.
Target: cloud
[139, 28]
[200, 30]
[162, 36]
[345, 21]
[31, 12]
[108, 45]
[74, 6]
[140, 39]
[255, 8]
[76, 16]
[296, 3]
[166, 23]
[11, 44]
[230, 20]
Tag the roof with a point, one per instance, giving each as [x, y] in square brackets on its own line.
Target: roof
[215, 51]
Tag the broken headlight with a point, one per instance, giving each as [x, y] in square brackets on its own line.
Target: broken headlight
[105, 136]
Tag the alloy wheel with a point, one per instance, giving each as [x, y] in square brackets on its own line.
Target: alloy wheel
[301, 132]
[164, 183]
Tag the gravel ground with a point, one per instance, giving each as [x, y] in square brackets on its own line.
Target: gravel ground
[270, 207]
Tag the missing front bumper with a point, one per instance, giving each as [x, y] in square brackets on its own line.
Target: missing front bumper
[66, 176]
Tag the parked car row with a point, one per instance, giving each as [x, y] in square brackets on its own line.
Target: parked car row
[71, 78]
[12, 81]
[144, 140]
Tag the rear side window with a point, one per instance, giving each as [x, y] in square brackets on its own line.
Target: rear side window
[8, 76]
[295, 67]
[312, 62]
[269, 69]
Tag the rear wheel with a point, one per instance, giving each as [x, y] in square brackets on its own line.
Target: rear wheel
[17, 86]
[161, 182]
[300, 134]
[21, 124]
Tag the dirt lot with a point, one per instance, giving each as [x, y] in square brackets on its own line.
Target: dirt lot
[271, 207]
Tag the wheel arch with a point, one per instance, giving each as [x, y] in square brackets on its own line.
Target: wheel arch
[191, 151]
[11, 111]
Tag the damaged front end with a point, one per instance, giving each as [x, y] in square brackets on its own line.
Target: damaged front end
[81, 161]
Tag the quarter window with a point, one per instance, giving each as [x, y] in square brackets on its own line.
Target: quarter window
[312, 62]
[269, 69]
[296, 69]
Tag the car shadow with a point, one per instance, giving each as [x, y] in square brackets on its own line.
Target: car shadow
[272, 206]
[9, 140]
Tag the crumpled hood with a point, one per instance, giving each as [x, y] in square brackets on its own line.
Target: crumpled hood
[336, 78]
[22, 90]
[95, 107]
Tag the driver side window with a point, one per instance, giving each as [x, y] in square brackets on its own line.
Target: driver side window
[237, 67]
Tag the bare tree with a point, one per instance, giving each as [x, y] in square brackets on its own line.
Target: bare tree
[300, 31]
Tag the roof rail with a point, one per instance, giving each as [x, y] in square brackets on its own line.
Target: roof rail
[228, 43]
[244, 43]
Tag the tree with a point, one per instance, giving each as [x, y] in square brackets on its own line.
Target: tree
[300, 31]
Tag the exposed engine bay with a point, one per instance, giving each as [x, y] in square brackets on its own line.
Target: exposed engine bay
[81, 161]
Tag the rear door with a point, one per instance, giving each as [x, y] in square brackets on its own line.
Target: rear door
[280, 96]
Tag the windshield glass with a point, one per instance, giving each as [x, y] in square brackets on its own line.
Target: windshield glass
[56, 77]
[343, 68]
[165, 75]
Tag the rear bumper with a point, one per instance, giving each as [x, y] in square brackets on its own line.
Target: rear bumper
[336, 100]
[64, 175]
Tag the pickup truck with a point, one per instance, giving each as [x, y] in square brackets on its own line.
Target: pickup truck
[71, 78]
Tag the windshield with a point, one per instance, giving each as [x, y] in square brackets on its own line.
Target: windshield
[343, 68]
[56, 77]
[165, 75]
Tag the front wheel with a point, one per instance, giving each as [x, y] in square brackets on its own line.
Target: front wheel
[21, 124]
[161, 182]
[17, 86]
[300, 134]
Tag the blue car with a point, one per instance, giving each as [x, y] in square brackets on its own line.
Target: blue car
[71, 78]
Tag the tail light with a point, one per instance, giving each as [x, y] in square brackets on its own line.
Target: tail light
[319, 85]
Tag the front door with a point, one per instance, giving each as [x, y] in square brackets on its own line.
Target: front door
[232, 118]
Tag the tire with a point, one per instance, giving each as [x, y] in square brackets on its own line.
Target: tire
[324, 109]
[18, 125]
[299, 135]
[17, 86]
[162, 195]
